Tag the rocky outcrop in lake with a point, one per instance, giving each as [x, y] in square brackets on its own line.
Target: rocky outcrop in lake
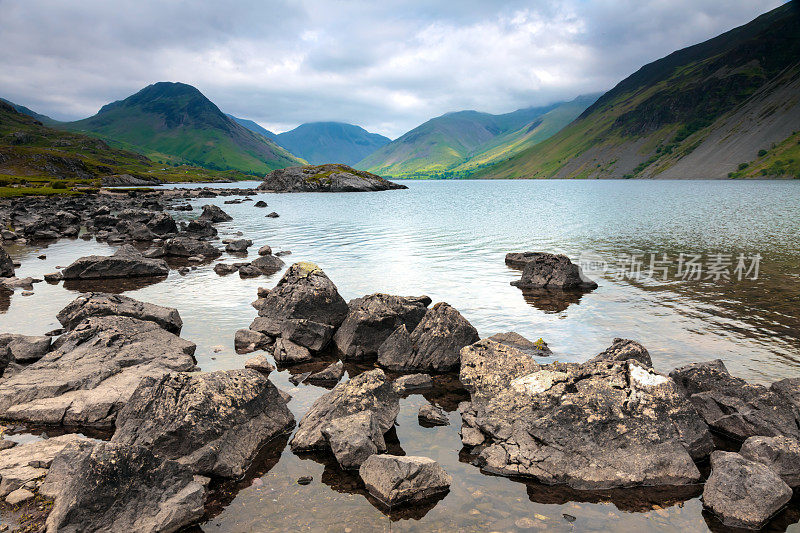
[325, 178]
[549, 271]
[127, 262]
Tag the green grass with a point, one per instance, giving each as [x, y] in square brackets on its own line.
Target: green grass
[782, 160]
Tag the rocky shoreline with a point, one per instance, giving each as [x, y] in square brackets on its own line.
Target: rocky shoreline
[170, 432]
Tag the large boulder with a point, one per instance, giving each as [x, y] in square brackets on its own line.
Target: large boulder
[396, 480]
[93, 372]
[433, 346]
[781, 454]
[743, 493]
[371, 319]
[304, 307]
[733, 407]
[162, 224]
[325, 178]
[23, 465]
[591, 426]
[127, 262]
[353, 438]
[6, 264]
[213, 213]
[268, 264]
[213, 422]
[111, 487]
[622, 350]
[551, 271]
[190, 247]
[23, 349]
[102, 304]
[370, 391]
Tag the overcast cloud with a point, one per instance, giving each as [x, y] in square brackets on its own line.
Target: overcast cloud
[385, 65]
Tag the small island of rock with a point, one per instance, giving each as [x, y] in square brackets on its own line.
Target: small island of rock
[325, 178]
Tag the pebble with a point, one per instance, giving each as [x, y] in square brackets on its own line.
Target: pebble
[19, 496]
[304, 480]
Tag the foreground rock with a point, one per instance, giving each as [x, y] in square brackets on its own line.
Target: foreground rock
[397, 480]
[733, 407]
[354, 438]
[213, 213]
[515, 340]
[127, 262]
[325, 178]
[22, 349]
[93, 372]
[551, 271]
[624, 349]
[781, 454]
[25, 465]
[743, 493]
[304, 308]
[102, 304]
[595, 425]
[433, 346]
[110, 487]
[213, 422]
[369, 391]
[6, 264]
[372, 319]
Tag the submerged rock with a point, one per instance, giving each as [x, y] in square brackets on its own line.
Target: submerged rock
[433, 346]
[743, 493]
[395, 480]
[213, 422]
[127, 262]
[325, 178]
[353, 438]
[431, 415]
[551, 271]
[595, 425]
[412, 382]
[95, 304]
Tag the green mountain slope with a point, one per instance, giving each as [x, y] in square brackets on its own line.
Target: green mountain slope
[700, 112]
[44, 119]
[331, 142]
[457, 144]
[253, 126]
[174, 122]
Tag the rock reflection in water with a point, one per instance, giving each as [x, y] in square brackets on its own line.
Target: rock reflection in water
[113, 286]
[550, 300]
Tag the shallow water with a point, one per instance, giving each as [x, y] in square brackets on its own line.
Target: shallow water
[448, 239]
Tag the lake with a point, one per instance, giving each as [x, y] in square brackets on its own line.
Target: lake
[724, 284]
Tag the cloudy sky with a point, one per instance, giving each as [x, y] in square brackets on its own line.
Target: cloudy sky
[386, 65]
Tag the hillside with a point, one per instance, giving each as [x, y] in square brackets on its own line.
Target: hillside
[713, 110]
[331, 142]
[457, 144]
[253, 126]
[175, 123]
[44, 119]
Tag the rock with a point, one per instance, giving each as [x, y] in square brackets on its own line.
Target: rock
[283, 253]
[520, 259]
[96, 304]
[515, 340]
[190, 247]
[212, 213]
[249, 271]
[162, 224]
[273, 215]
[325, 178]
[372, 319]
[260, 203]
[733, 407]
[6, 444]
[550, 271]
[781, 454]
[246, 341]
[431, 415]
[265, 250]
[435, 343]
[19, 496]
[268, 264]
[92, 372]
[223, 269]
[53, 277]
[289, 353]
[126, 180]
[743, 493]
[297, 379]
[412, 382]
[304, 480]
[127, 262]
[15, 283]
[15, 463]
[330, 374]
[367, 391]
[24, 349]
[201, 228]
[238, 246]
[259, 363]
[395, 480]
[353, 438]
[213, 422]
[6, 264]
[110, 487]
[624, 349]
[304, 307]
[595, 425]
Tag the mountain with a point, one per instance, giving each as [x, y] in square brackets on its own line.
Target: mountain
[44, 119]
[174, 122]
[331, 142]
[456, 144]
[254, 127]
[727, 107]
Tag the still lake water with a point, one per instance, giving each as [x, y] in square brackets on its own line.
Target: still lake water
[448, 239]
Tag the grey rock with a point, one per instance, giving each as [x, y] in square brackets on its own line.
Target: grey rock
[6, 264]
[127, 262]
[591, 426]
[96, 304]
[330, 374]
[325, 178]
[162, 224]
[432, 415]
[126, 180]
[412, 382]
[24, 349]
[246, 341]
[368, 391]
[551, 271]
[265, 250]
[259, 363]
[213, 213]
[93, 372]
[15, 463]
[435, 343]
[201, 228]
[238, 246]
[273, 215]
[224, 269]
[781, 454]
[190, 247]
[395, 480]
[372, 319]
[260, 203]
[249, 271]
[515, 340]
[123, 488]
[289, 353]
[19, 497]
[520, 259]
[213, 422]
[743, 493]
[622, 350]
[268, 264]
[354, 438]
